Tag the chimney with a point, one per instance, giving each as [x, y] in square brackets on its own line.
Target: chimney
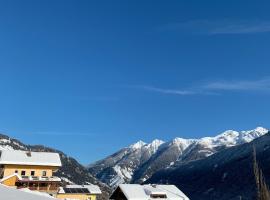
[28, 153]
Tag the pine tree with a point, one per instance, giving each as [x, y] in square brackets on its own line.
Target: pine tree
[263, 192]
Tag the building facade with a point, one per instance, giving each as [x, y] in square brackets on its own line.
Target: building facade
[32, 170]
[79, 192]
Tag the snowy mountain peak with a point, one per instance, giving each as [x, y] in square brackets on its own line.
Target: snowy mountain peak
[231, 137]
[137, 145]
[228, 133]
[141, 160]
[261, 130]
[183, 142]
[180, 140]
[154, 145]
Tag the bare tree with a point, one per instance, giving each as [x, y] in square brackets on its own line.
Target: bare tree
[263, 192]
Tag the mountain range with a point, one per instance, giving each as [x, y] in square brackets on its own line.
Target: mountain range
[138, 162]
[226, 175]
[208, 168]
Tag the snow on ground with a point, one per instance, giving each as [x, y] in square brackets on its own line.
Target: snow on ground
[8, 193]
[36, 192]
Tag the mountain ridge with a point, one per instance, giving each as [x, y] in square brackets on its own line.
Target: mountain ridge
[226, 175]
[137, 162]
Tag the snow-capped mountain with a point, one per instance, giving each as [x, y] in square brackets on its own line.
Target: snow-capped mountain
[119, 167]
[140, 161]
[226, 175]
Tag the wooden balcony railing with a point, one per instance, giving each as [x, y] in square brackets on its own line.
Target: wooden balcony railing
[39, 188]
[33, 188]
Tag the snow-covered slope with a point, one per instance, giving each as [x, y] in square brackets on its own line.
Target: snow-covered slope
[139, 161]
[226, 175]
[119, 167]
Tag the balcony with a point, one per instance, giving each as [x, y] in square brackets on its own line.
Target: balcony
[40, 188]
[44, 183]
[40, 178]
[44, 187]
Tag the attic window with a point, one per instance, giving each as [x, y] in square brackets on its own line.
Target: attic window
[158, 196]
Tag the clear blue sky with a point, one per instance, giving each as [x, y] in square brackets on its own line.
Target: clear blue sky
[90, 77]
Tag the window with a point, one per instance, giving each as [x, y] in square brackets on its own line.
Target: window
[16, 171]
[44, 173]
[43, 185]
[32, 173]
[158, 196]
[23, 173]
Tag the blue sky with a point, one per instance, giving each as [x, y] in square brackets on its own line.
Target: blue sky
[90, 77]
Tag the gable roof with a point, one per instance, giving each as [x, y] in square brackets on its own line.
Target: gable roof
[15, 157]
[133, 191]
[80, 189]
[10, 176]
[145, 192]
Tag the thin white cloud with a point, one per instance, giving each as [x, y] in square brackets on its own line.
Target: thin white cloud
[215, 88]
[215, 27]
[243, 28]
[167, 91]
[244, 85]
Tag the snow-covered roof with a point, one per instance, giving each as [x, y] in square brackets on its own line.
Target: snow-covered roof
[145, 192]
[90, 189]
[133, 191]
[8, 193]
[8, 177]
[29, 158]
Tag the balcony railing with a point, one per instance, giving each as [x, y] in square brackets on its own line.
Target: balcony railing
[40, 178]
[39, 188]
[33, 188]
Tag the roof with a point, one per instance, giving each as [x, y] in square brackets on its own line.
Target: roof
[144, 192]
[10, 176]
[15, 157]
[80, 189]
[14, 194]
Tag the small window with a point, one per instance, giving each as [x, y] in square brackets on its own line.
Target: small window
[16, 171]
[23, 173]
[32, 173]
[43, 184]
[44, 173]
[158, 196]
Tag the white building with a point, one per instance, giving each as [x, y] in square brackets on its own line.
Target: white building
[147, 192]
